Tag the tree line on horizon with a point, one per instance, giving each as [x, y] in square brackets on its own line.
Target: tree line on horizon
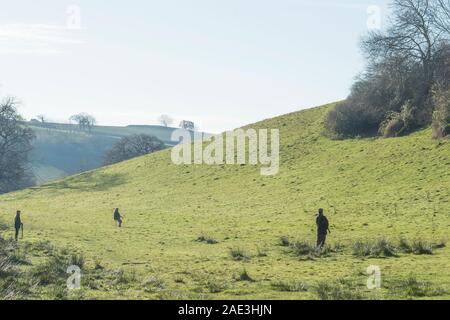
[87, 122]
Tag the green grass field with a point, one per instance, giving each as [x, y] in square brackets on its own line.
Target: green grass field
[369, 188]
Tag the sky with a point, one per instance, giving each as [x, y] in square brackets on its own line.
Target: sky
[220, 63]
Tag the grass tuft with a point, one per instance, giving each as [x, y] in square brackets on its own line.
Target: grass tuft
[337, 290]
[290, 286]
[207, 239]
[215, 285]
[154, 284]
[308, 250]
[377, 248]
[77, 260]
[284, 241]
[239, 254]
[411, 287]
[245, 276]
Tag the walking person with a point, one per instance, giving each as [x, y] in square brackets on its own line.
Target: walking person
[118, 217]
[18, 225]
[322, 229]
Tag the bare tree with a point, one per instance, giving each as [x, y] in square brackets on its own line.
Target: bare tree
[187, 125]
[165, 120]
[404, 63]
[131, 147]
[15, 146]
[412, 35]
[442, 18]
[84, 121]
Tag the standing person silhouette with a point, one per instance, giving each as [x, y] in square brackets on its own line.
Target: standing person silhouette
[17, 224]
[118, 217]
[322, 228]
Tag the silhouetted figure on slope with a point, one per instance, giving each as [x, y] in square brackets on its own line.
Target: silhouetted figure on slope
[118, 217]
[17, 225]
[322, 229]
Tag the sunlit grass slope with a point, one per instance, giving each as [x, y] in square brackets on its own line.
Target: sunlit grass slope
[369, 188]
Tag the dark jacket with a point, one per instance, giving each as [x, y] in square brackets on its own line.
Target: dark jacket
[322, 224]
[117, 216]
[17, 222]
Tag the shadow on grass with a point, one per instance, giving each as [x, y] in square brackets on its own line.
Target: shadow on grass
[89, 182]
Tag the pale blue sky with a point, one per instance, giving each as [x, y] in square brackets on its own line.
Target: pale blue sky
[221, 63]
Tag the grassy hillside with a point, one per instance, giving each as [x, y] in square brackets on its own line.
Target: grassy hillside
[369, 188]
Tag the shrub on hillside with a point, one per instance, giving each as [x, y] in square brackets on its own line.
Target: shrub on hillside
[395, 75]
[441, 114]
[392, 128]
[349, 119]
[397, 123]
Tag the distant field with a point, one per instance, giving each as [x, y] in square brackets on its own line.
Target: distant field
[62, 149]
[162, 133]
[183, 223]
